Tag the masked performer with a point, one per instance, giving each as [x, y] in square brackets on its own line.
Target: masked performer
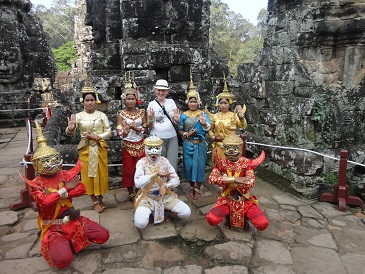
[235, 175]
[131, 127]
[155, 177]
[194, 124]
[222, 119]
[60, 224]
[93, 150]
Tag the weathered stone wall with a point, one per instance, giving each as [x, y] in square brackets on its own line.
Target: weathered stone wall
[149, 39]
[24, 56]
[307, 87]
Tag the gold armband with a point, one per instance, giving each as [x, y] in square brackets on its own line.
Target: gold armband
[230, 180]
[69, 132]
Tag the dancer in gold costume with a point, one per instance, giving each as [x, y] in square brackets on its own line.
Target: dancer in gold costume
[94, 129]
[221, 121]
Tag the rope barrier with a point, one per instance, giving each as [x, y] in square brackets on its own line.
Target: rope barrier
[24, 163]
[305, 150]
[20, 109]
[250, 143]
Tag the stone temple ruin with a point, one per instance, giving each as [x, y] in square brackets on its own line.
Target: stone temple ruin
[307, 87]
[305, 90]
[26, 61]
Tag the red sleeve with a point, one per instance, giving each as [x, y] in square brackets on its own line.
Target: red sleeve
[44, 199]
[77, 191]
[74, 171]
[216, 178]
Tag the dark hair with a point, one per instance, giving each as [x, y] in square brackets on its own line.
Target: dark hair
[224, 98]
[87, 93]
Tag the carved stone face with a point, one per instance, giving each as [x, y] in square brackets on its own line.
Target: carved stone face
[11, 65]
[11, 61]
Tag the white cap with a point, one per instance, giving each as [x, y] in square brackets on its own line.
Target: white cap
[161, 84]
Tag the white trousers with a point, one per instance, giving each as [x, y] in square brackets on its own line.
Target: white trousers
[142, 214]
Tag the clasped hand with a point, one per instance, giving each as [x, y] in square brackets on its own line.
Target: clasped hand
[241, 180]
[73, 182]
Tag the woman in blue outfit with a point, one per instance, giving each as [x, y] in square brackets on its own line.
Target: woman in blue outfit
[193, 126]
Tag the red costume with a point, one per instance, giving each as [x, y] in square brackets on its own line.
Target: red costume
[57, 230]
[236, 200]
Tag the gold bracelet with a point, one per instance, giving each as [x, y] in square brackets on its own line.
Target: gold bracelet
[69, 133]
[230, 180]
[185, 135]
[119, 127]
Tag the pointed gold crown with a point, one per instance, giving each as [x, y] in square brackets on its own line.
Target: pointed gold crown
[226, 93]
[88, 88]
[153, 141]
[43, 149]
[192, 91]
[128, 87]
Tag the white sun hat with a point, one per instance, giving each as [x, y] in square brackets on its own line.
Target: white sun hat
[161, 84]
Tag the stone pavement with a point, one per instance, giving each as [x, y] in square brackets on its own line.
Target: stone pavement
[304, 236]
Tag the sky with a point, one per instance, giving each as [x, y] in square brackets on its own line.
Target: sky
[248, 8]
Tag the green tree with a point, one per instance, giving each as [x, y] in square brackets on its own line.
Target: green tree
[64, 56]
[57, 21]
[234, 38]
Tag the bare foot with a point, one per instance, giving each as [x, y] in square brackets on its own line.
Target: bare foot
[131, 196]
[103, 205]
[197, 195]
[191, 193]
[98, 208]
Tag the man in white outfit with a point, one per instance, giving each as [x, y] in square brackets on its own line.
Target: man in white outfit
[155, 177]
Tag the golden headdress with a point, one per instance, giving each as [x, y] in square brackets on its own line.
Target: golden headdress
[225, 94]
[192, 91]
[153, 141]
[128, 88]
[89, 89]
[43, 149]
[232, 138]
[46, 160]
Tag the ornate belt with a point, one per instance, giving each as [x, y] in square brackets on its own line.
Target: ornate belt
[195, 141]
[62, 221]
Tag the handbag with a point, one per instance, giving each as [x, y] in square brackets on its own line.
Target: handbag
[179, 138]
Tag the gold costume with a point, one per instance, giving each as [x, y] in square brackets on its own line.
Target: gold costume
[221, 123]
[94, 154]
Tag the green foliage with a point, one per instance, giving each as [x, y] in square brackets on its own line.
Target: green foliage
[234, 38]
[319, 107]
[57, 21]
[331, 178]
[64, 56]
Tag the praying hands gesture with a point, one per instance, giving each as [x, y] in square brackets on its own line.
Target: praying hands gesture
[126, 128]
